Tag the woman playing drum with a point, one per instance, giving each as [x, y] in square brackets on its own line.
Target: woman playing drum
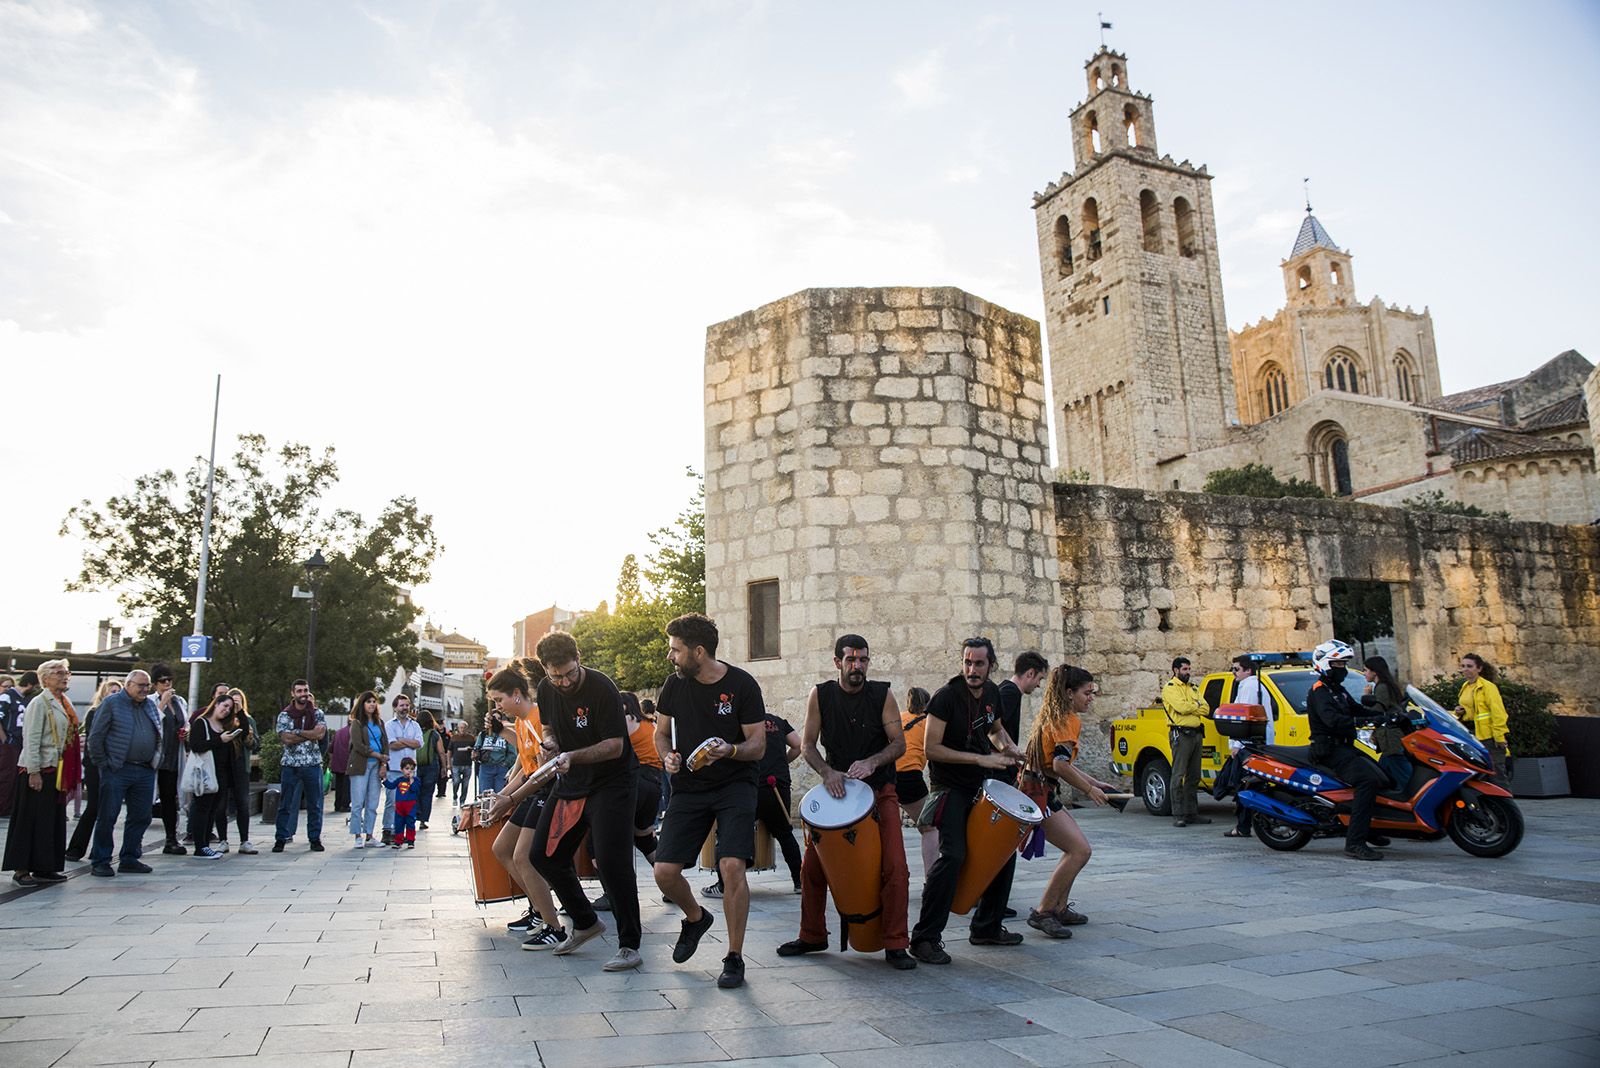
[1051, 750]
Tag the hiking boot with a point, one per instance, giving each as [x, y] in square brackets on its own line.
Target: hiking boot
[1002, 937]
[1362, 851]
[578, 938]
[800, 946]
[1048, 923]
[899, 960]
[689, 936]
[930, 952]
[732, 972]
[1070, 916]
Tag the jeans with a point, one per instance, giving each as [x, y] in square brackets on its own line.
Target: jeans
[491, 778]
[427, 779]
[302, 782]
[364, 791]
[135, 786]
[461, 780]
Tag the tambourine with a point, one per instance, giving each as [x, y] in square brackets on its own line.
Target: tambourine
[701, 755]
[543, 774]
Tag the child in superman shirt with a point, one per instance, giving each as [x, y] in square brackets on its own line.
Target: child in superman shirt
[406, 791]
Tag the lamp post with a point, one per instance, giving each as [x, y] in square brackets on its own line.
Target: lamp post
[315, 567]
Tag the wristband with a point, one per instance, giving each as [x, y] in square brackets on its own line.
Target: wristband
[735, 754]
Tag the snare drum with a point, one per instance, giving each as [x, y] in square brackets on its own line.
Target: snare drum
[1001, 818]
[490, 880]
[701, 755]
[844, 832]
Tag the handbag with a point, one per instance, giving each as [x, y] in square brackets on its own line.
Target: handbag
[200, 775]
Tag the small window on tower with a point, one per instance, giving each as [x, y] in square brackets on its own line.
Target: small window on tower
[1303, 278]
[1188, 242]
[1130, 120]
[1091, 228]
[1105, 305]
[1335, 275]
[763, 605]
[1063, 246]
[1094, 133]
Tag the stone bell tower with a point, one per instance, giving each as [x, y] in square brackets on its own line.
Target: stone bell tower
[1138, 336]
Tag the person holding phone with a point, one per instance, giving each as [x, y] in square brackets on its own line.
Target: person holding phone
[211, 733]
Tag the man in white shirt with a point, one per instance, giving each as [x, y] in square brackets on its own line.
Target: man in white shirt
[405, 738]
[1249, 690]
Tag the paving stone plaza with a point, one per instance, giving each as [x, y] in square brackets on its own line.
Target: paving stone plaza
[1199, 951]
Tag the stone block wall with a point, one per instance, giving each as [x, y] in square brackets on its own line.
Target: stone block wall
[882, 454]
[1149, 576]
[1559, 488]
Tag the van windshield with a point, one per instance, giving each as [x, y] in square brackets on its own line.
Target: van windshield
[1295, 686]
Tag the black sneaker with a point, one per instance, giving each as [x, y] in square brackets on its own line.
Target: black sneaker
[277, 847]
[732, 972]
[800, 946]
[524, 923]
[1379, 840]
[1362, 851]
[930, 952]
[316, 845]
[689, 937]
[1002, 937]
[899, 960]
[602, 903]
[545, 937]
[102, 870]
[714, 891]
[134, 867]
[173, 849]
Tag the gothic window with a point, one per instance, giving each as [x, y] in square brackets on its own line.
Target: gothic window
[1404, 384]
[1063, 246]
[1188, 239]
[1130, 122]
[1274, 389]
[1340, 373]
[1094, 134]
[1091, 227]
[1329, 449]
[1303, 278]
[1150, 216]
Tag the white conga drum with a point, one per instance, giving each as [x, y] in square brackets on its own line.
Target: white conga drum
[1001, 818]
[844, 832]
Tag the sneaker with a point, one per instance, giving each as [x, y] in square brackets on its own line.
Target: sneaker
[102, 870]
[714, 891]
[1362, 851]
[578, 938]
[45, 878]
[1070, 916]
[358, 844]
[316, 845]
[930, 952]
[207, 853]
[134, 867]
[422, 826]
[372, 843]
[411, 845]
[173, 849]
[1009, 914]
[526, 922]
[545, 937]
[388, 836]
[247, 849]
[899, 960]
[732, 972]
[602, 903]
[396, 845]
[796, 888]
[1002, 937]
[1378, 840]
[222, 846]
[277, 847]
[623, 960]
[690, 935]
[1048, 923]
[800, 946]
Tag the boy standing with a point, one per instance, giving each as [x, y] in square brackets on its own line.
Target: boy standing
[404, 791]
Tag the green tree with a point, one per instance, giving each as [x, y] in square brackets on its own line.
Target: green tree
[1436, 501]
[270, 515]
[1362, 611]
[1258, 480]
[677, 567]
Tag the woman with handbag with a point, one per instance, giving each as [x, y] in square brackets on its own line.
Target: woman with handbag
[36, 846]
[1051, 751]
[209, 737]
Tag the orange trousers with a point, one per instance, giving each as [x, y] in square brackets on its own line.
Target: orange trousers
[896, 881]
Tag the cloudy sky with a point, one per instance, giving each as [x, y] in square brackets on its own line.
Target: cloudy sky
[477, 245]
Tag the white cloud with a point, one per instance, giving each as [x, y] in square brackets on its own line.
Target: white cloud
[921, 84]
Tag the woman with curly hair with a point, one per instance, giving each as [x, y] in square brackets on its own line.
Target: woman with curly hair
[1481, 707]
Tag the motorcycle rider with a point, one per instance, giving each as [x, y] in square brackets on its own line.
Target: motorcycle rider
[1334, 715]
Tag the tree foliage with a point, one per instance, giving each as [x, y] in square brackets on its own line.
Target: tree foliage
[1258, 480]
[1362, 611]
[1436, 501]
[1531, 729]
[270, 516]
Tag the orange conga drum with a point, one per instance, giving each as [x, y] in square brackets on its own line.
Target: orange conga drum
[764, 862]
[490, 880]
[844, 832]
[1000, 819]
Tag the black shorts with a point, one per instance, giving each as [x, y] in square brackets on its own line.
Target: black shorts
[690, 815]
[910, 786]
[647, 797]
[529, 809]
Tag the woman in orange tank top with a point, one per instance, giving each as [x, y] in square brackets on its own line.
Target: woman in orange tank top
[909, 784]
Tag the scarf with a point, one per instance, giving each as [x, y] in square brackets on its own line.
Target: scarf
[302, 720]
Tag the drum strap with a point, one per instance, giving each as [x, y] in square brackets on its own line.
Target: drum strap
[847, 918]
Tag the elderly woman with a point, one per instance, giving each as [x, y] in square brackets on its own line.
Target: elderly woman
[36, 848]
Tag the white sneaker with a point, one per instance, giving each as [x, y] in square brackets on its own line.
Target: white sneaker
[222, 846]
[625, 959]
[578, 938]
[248, 849]
[359, 843]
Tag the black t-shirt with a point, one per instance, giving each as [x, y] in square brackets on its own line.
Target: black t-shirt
[588, 715]
[966, 729]
[461, 749]
[1011, 720]
[852, 727]
[774, 764]
[719, 710]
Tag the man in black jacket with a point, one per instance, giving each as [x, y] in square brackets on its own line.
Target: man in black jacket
[1334, 714]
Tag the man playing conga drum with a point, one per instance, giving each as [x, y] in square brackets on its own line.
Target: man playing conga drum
[858, 724]
[965, 743]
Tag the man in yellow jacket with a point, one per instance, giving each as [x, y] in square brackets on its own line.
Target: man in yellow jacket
[1186, 716]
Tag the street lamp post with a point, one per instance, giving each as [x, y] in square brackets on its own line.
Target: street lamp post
[315, 567]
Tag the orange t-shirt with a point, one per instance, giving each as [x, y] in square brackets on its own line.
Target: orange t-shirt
[644, 744]
[530, 741]
[1059, 741]
[915, 758]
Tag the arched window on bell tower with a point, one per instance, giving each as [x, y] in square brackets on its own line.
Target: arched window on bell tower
[1091, 228]
[1130, 122]
[1094, 134]
[1188, 239]
[1150, 219]
[1063, 246]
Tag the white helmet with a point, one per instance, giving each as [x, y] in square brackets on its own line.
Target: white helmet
[1324, 656]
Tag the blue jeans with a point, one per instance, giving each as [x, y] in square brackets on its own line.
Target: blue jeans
[135, 786]
[300, 782]
[491, 778]
[427, 780]
[460, 782]
[365, 790]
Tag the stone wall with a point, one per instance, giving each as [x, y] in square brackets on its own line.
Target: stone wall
[1591, 394]
[1148, 576]
[1561, 488]
[882, 454]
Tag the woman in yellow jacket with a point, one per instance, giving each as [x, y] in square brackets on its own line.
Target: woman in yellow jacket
[1481, 708]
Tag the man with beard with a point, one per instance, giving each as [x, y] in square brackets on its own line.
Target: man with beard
[965, 742]
[711, 703]
[858, 724]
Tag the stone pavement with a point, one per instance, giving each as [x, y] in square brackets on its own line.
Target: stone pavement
[1199, 951]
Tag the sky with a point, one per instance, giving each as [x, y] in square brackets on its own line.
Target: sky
[476, 246]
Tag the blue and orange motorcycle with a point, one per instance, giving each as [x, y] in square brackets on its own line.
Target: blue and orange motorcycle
[1451, 791]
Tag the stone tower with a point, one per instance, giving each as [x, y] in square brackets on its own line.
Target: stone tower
[877, 461]
[1138, 337]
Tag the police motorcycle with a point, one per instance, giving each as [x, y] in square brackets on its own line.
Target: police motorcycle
[1450, 791]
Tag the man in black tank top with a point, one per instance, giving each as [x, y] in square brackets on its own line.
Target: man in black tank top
[858, 725]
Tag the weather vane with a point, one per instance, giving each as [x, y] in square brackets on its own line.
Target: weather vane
[1307, 182]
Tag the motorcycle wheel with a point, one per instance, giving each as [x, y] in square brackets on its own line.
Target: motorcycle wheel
[1492, 829]
[1155, 781]
[1284, 837]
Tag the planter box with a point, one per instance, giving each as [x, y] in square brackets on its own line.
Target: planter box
[1539, 777]
[1580, 745]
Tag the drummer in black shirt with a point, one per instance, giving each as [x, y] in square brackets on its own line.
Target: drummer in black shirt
[858, 724]
[1026, 675]
[581, 713]
[966, 742]
[772, 796]
[711, 703]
